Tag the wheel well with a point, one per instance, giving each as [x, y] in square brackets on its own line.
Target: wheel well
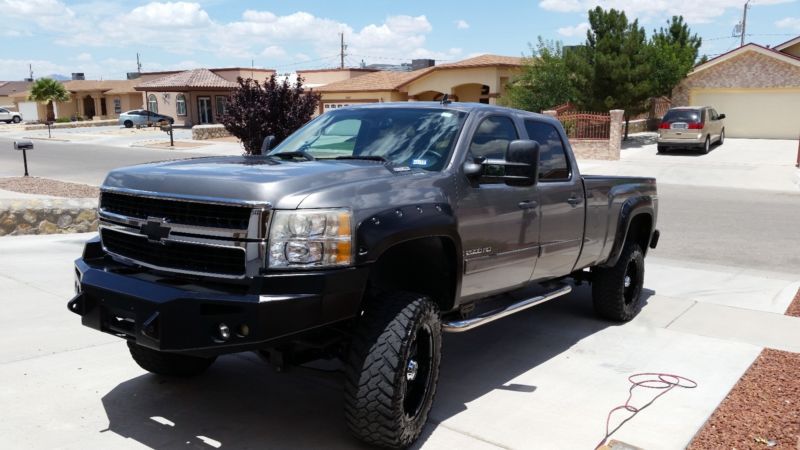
[424, 266]
[639, 231]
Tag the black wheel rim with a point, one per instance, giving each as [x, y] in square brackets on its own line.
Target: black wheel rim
[631, 283]
[417, 372]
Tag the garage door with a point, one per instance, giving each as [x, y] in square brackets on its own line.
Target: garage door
[755, 113]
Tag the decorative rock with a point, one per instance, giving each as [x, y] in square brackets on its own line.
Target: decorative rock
[64, 221]
[29, 216]
[211, 131]
[47, 227]
[86, 215]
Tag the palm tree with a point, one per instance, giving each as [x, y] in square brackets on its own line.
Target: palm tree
[48, 90]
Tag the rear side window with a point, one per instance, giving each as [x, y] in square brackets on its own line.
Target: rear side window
[553, 162]
[682, 115]
[492, 137]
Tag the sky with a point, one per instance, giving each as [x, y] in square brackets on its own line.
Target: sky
[102, 38]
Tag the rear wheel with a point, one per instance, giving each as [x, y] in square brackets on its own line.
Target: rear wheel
[128, 124]
[707, 145]
[392, 369]
[617, 290]
[661, 149]
[170, 364]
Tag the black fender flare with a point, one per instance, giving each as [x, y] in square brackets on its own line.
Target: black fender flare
[385, 229]
[632, 208]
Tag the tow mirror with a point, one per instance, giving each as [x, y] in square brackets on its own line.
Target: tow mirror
[522, 163]
[267, 145]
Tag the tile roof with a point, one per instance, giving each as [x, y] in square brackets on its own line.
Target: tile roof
[189, 79]
[13, 87]
[389, 81]
[106, 86]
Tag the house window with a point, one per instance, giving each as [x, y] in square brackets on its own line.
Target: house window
[117, 106]
[152, 103]
[222, 105]
[180, 105]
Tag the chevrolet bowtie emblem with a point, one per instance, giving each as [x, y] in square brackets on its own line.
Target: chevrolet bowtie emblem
[155, 230]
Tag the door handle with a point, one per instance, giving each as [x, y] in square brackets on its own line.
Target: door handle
[528, 204]
[574, 201]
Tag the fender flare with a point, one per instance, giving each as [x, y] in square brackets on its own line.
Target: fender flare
[632, 208]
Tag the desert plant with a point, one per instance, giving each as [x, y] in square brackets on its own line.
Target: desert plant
[47, 91]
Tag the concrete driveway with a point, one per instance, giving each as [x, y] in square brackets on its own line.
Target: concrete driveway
[758, 164]
[544, 378]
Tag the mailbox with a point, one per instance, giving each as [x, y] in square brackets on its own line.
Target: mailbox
[23, 145]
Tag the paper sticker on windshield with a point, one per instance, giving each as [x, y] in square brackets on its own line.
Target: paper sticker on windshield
[419, 162]
[447, 114]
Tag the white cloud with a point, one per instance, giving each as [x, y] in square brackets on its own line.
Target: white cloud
[47, 14]
[177, 14]
[273, 51]
[84, 57]
[647, 10]
[792, 23]
[577, 30]
[462, 24]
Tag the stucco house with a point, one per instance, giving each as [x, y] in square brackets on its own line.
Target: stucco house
[194, 97]
[479, 79]
[757, 88]
[89, 99]
[8, 89]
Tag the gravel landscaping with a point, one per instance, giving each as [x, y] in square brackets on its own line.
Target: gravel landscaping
[761, 411]
[794, 307]
[45, 186]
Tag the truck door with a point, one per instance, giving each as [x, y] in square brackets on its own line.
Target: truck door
[498, 223]
[562, 203]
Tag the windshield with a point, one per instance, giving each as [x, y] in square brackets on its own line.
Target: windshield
[413, 137]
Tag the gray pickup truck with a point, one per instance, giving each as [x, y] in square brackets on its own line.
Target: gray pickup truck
[363, 236]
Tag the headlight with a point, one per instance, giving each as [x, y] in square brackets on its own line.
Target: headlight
[310, 238]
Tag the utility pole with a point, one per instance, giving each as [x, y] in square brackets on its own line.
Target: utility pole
[744, 22]
[30, 71]
[138, 64]
[342, 48]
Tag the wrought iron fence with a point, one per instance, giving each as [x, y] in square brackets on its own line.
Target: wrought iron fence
[586, 125]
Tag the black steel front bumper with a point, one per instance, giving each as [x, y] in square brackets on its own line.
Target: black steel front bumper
[180, 315]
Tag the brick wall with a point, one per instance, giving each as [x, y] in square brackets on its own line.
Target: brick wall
[600, 148]
[748, 70]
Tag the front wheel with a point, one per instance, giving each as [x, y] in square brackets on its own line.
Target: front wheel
[128, 124]
[16, 119]
[392, 369]
[617, 290]
[169, 364]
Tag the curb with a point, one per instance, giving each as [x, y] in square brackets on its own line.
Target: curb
[47, 216]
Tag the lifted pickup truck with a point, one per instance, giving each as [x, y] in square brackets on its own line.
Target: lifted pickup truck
[363, 236]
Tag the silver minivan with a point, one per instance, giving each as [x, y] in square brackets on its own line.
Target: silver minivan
[691, 127]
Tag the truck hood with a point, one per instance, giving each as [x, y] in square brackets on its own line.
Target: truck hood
[256, 179]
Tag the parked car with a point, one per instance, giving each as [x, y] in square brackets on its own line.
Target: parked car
[691, 127]
[9, 116]
[363, 236]
[143, 117]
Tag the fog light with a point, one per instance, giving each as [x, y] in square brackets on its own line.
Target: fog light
[224, 332]
[244, 330]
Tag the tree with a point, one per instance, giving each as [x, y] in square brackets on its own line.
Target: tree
[614, 65]
[673, 54]
[544, 81]
[273, 108]
[47, 91]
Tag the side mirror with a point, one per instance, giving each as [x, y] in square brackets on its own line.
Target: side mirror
[267, 145]
[522, 163]
[721, 116]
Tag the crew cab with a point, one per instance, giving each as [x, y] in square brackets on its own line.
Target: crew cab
[363, 236]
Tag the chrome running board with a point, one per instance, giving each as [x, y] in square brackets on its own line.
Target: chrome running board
[458, 326]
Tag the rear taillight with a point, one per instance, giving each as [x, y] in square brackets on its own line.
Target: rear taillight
[664, 126]
[696, 126]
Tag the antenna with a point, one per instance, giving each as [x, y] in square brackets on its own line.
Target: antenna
[30, 70]
[342, 48]
[138, 63]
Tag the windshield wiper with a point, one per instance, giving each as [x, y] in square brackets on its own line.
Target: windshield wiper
[294, 154]
[363, 157]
